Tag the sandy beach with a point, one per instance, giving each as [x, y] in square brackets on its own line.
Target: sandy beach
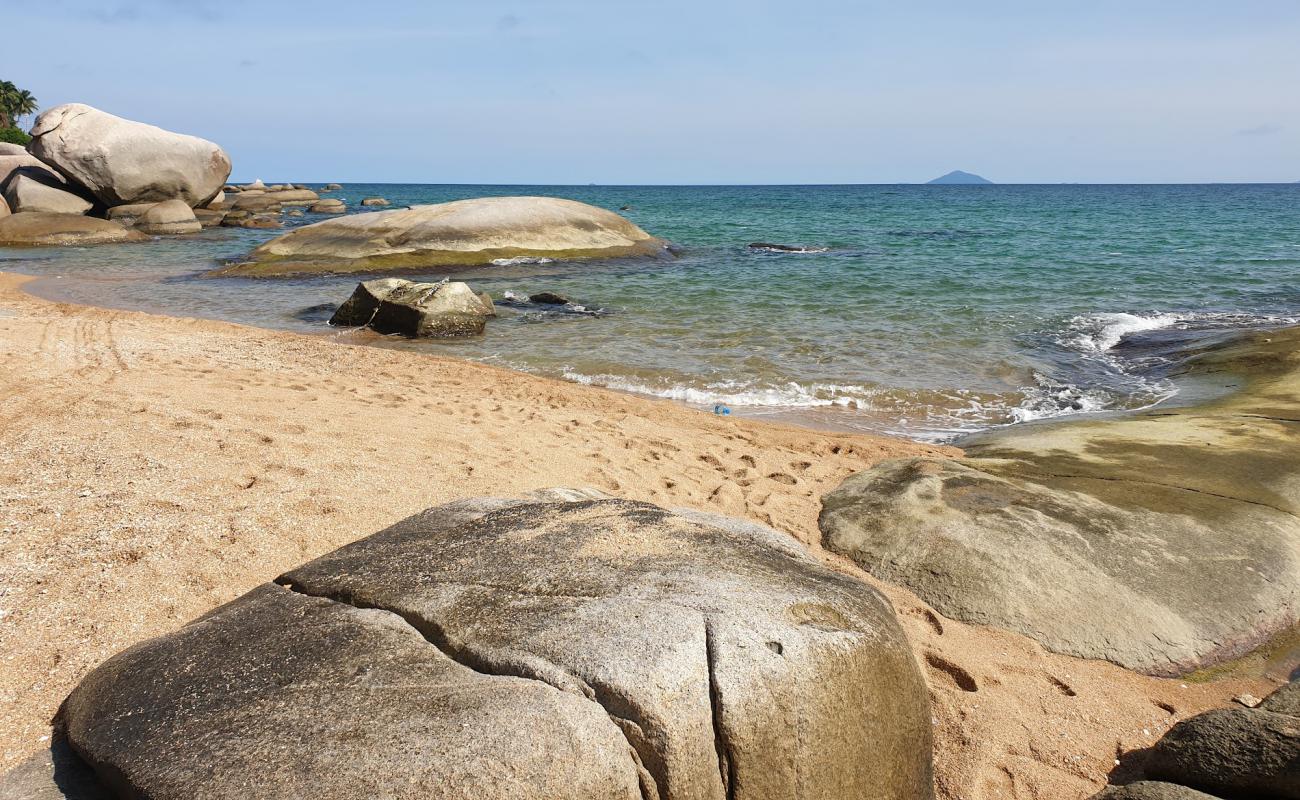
[153, 468]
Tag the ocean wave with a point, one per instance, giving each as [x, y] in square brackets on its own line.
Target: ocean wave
[517, 260]
[1097, 333]
[736, 393]
[765, 247]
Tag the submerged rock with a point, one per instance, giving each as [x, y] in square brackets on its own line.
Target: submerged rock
[396, 306]
[465, 232]
[33, 228]
[549, 298]
[208, 217]
[784, 248]
[550, 647]
[1162, 541]
[375, 201]
[168, 219]
[332, 187]
[121, 161]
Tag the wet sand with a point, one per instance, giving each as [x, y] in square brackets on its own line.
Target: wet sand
[152, 468]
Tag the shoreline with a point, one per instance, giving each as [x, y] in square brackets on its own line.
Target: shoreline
[154, 467]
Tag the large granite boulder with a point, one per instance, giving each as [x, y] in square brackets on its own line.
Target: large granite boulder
[31, 228]
[465, 232]
[29, 191]
[169, 218]
[396, 306]
[4, 207]
[11, 149]
[529, 648]
[1162, 541]
[123, 162]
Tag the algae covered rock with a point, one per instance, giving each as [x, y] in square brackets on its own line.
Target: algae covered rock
[32, 229]
[545, 647]
[1162, 541]
[465, 232]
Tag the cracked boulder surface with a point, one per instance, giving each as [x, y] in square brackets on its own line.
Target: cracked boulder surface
[554, 646]
[1163, 541]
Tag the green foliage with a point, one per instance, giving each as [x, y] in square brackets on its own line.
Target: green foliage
[14, 136]
[15, 103]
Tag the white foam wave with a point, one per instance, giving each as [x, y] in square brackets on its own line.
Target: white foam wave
[734, 393]
[1098, 333]
[517, 260]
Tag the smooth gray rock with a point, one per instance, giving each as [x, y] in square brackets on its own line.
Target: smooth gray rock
[10, 149]
[1232, 751]
[396, 306]
[527, 648]
[171, 218]
[30, 191]
[29, 164]
[1163, 541]
[1151, 790]
[463, 233]
[121, 161]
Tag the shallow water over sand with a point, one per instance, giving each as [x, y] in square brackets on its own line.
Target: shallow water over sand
[919, 310]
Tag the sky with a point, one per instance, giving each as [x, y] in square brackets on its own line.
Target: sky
[696, 92]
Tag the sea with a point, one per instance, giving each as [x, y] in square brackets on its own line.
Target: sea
[929, 312]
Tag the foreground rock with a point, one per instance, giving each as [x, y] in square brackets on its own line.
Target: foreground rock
[432, 310]
[542, 648]
[466, 232]
[30, 229]
[1229, 752]
[26, 192]
[124, 162]
[1163, 542]
[171, 218]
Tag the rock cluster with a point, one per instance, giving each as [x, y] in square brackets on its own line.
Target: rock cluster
[406, 308]
[83, 161]
[560, 645]
[1226, 752]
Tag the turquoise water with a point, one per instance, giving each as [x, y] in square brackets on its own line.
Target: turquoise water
[927, 311]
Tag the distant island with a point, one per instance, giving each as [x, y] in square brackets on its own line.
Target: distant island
[957, 176]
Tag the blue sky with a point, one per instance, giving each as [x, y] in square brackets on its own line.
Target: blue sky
[572, 91]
